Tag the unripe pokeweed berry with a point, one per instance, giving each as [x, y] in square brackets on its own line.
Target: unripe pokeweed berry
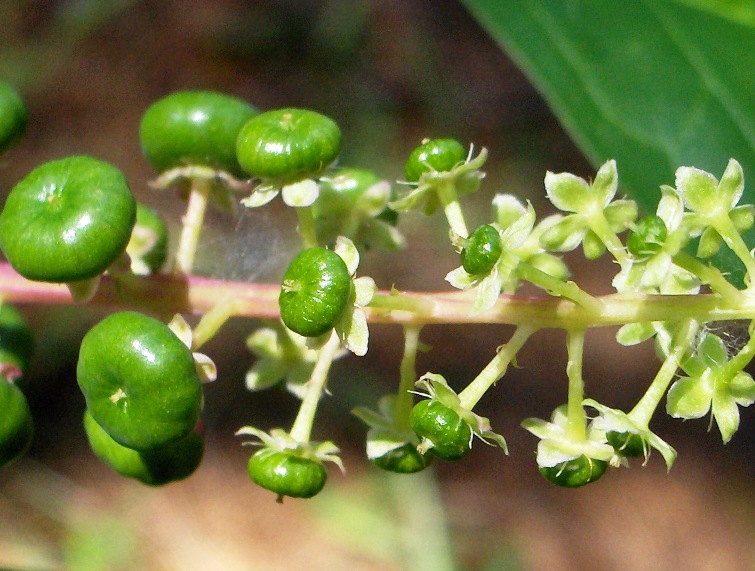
[339, 193]
[68, 220]
[439, 155]
[16, 425]
[316, 288]
[626, 443]
[16, 344]
[482, 250]
[287, 145]
[648, 236]
[170, 463]
[575, 473]
[194, 128]
[405, 459]
[13, 117]
[449, 435]
[339, 210]
[287, 474]
[139, 381]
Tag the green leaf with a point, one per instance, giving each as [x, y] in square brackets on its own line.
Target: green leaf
[654, 84]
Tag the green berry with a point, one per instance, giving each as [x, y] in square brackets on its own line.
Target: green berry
[441, 427]
[287, 474]
[13, 117]
[482, 250]
[194, 128]
[68, 220]
[16, 426]
[288, 145]
[339, 194]
[341, 206]
[156, 467]
[438, 155]
[626, 443]
[316, 288]
[648, 237]
[403, 460]
[16, 344]
[139, 381]
[575, 473]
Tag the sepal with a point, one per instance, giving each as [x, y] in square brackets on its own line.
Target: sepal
[437, 388]
[557, 445]
[206, 369]
[613, 420]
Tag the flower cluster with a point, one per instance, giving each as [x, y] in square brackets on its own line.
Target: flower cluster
[74, 219]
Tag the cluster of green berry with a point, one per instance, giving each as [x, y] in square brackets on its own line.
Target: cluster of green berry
[16, 342]
[71, 220]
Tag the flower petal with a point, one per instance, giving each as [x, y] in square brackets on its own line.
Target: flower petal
[300, 194]
[568, 192]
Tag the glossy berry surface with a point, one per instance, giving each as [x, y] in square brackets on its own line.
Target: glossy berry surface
[68, 220]
[626, 443]
[16, 426]
[194, 128]
[288, 144]
[482, 250]
[139, 381]
[443, 427]
[575, 473]
[316, 289]
[403, 460]
[440, 155]
[13, 117]
[153, 467]
[287, 474]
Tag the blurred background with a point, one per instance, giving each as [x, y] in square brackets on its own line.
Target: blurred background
[390, 73]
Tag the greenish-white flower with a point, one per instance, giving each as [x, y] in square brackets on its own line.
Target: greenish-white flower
[651, 270]
[281, 441]
[520, 242]
[385, 432]
[423, 195]
[712, 205]
[282, 356]
[592, 211]
[614, 420]
[713, 385]
[558, 444]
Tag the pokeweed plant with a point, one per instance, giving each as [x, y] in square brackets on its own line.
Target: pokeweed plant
[142, 378]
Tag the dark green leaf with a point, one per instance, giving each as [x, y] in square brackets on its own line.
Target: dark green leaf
[654, 84]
